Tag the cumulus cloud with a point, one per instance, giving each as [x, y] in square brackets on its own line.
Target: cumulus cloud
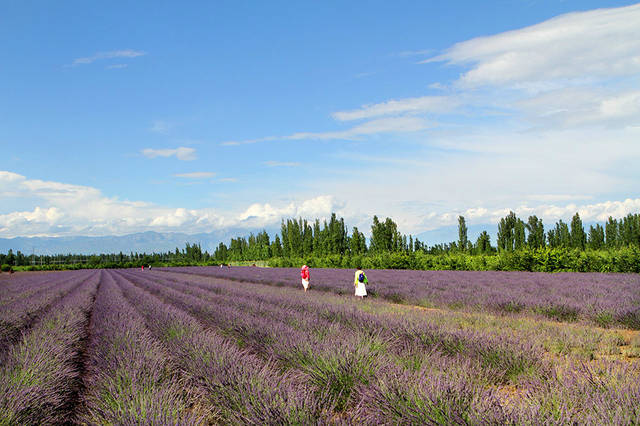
[262, 214]
[181, 153]
[601, 43]
[65, 209]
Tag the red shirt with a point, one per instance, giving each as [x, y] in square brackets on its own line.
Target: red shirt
[304, 273]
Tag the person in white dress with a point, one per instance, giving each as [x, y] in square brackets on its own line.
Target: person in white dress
[359, 283]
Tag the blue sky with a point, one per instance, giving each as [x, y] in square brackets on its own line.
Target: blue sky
[191, 117]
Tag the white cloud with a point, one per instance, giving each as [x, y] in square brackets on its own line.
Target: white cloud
[195, 175]
[416, 52]
[65, 209]
[579, 106]
[10, 176]
[373, 127]
[264, 214]
[282, 163]
[117, 66]
[381, 125]
[181, 153]
[424, 104]
[601, 43]
[127, 53]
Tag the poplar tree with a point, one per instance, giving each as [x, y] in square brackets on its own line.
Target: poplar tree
[462, 233]
[518, 235]
[578, 237]
[595, 240]
[506, 234]
[611, 233]
[483, 244]
[276, 247]
[536, 237]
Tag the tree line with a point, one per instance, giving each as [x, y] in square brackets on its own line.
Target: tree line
[191, 254]
[301, 238]
[520, 245]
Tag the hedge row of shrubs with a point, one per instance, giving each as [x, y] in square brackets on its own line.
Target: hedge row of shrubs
[538, 260]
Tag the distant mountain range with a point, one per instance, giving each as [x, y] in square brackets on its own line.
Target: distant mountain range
[143, 242]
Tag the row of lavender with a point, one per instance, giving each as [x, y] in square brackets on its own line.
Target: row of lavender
[183, 349]
[606, 299]
[44, 327]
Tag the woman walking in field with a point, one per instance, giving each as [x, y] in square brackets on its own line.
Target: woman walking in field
[359, 283]
[304, 274]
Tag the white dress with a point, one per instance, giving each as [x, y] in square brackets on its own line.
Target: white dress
[361, 290]
[305, 283]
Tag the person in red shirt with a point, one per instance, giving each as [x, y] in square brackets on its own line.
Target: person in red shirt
[304, 274]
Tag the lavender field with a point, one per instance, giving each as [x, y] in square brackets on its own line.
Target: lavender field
[248, 346]
[604, 299]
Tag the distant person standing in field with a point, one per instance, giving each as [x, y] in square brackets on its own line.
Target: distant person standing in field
[304, 274]
[359, 283]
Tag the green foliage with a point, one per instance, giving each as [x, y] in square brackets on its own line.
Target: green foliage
[604, 319]
[578, 238]
[462, 233]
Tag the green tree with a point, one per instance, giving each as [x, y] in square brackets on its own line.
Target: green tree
[578, 237]
[385, 236]
[536, 237]
[559, 236]
[611, 233]
[595, 240]
[483, 244]
[358, 242]
[519, 236]
[462, 233]
[11, 258]
[276, 247]
[221, 253]
[506, 232]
